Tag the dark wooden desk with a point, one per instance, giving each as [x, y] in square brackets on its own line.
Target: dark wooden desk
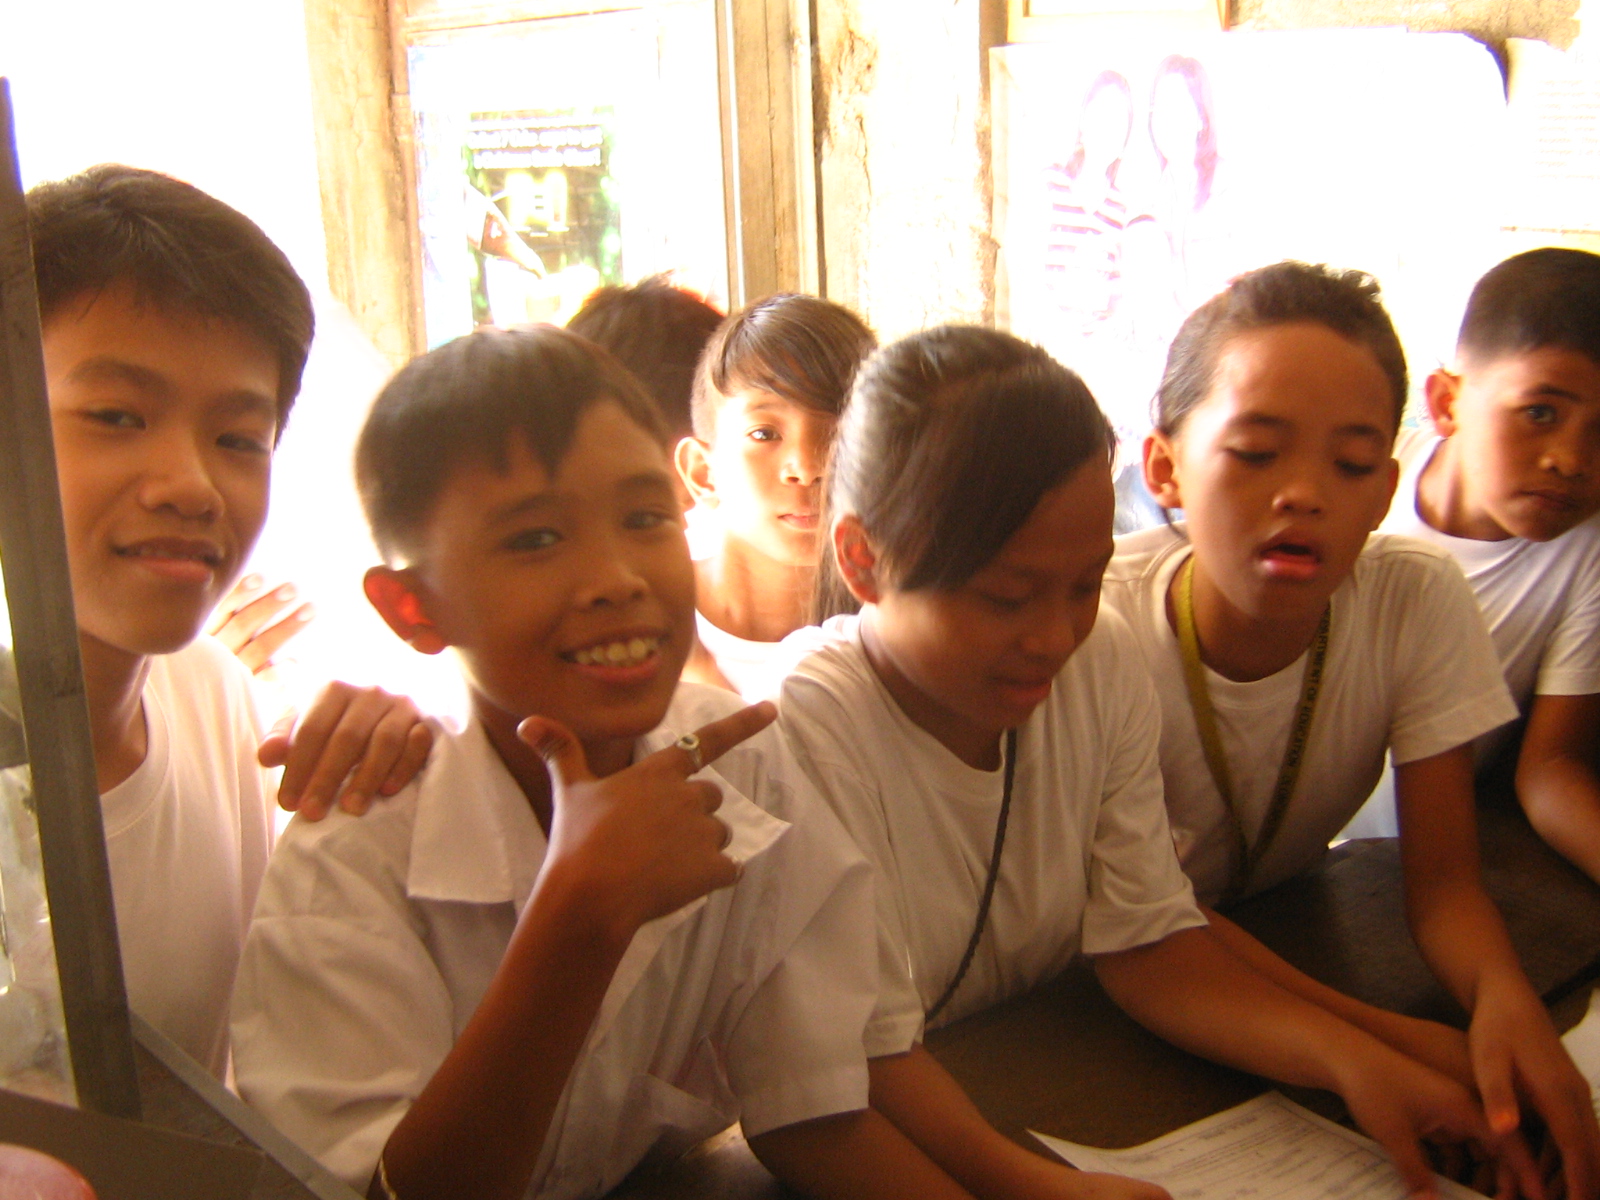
[1066, 1061]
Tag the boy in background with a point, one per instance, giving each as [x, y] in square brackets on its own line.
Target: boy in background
[1509, 483]
[547, 958]
[657, 330]
[174, 336]
[767, 397]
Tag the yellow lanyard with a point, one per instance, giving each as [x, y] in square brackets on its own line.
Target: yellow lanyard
[1205, 719]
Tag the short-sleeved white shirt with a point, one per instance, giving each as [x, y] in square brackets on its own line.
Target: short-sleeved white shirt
[375, 939]
[1541, 599]
[1410, 670]
[1087, 864]
[755, 669]
[187, 836]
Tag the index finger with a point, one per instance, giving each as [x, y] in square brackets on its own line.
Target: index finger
[717, 738]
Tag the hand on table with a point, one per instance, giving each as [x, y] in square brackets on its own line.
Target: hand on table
[1401, 1103]
[351, 745]
[254, 621]
[645, 837]
[1518, 1059]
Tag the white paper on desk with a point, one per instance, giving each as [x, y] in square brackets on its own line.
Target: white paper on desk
[1268, 1148]
[1583, 1043]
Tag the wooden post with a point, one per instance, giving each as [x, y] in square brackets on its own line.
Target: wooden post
[50, 681]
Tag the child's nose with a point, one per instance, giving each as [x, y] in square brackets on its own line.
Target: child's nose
[178, 480]
[1051, 639]
[805, 463]
[610, 580]
[1299, 493]
[1567, 454]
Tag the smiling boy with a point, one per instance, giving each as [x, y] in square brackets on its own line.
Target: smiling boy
[1508, 482]
[174, 336]
[517, 978]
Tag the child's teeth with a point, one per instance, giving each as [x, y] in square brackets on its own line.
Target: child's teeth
[633, 651]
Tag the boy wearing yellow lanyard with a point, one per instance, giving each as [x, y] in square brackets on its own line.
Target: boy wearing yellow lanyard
[1291, 653]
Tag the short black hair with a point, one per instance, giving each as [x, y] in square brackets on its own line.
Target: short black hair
[1546, 297]
[802, 348]
[658, 331]
[181, 249]
[1285, 293]
[951, 438]
[466, 402]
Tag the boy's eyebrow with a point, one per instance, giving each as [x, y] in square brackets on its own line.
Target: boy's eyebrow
[1551, 389]
[538, 502]
[250, 403]
[108, 368]
[641, 481]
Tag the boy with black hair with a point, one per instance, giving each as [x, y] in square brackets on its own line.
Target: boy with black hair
[767, 398]
[1509, 483]
[611, 916]
[174, 335]
[657, 330]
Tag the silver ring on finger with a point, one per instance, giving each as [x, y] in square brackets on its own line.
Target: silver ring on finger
[689, 743]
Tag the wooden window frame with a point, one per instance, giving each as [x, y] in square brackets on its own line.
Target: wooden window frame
[366, 153]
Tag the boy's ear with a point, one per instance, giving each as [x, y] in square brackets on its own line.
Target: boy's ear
[1161, 470]
[856, 559]
[1442, 389]
[693, 460]
[394, 594]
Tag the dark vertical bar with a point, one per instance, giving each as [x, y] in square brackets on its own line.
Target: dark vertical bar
[50, 680]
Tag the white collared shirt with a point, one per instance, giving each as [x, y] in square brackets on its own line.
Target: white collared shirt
[376, 937]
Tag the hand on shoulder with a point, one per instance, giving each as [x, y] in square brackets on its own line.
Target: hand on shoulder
[352, 745]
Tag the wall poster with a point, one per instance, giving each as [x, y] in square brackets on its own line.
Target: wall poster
[1134, 178]
[560, 154]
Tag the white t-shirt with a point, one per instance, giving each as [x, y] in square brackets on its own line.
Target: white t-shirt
[375, 939]
[1541, 599]
[1410, 670]
[188, 835]
[756, 669]
[1087, 863]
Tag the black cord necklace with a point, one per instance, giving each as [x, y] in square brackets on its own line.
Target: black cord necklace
[988, 885]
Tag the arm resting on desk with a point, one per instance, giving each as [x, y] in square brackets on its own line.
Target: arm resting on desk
[928, 1107]
[1190, 989]
[1514, 1047]
[1438, 1046]
[1558, 776]
[852, 1155]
